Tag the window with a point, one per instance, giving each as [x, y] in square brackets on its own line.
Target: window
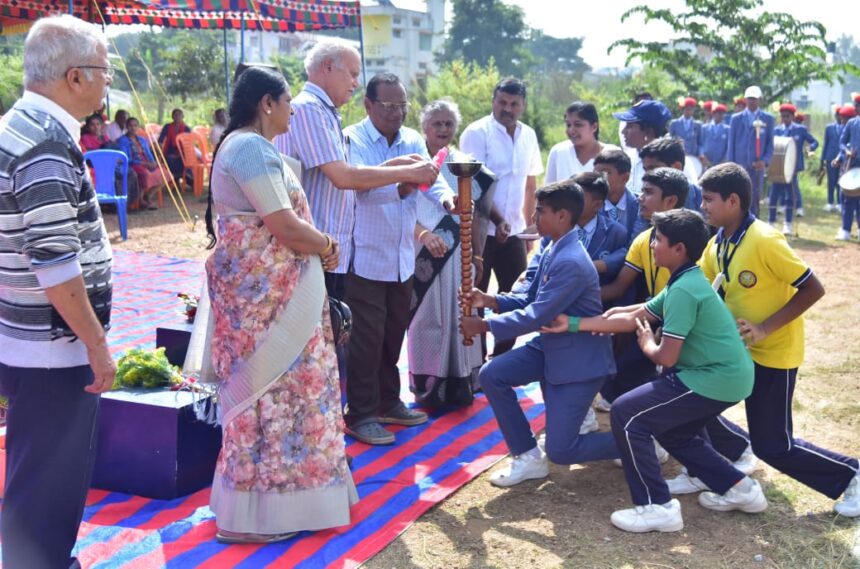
[397, 33]
[425, 42]
[416, 22]
[395, 20]
[284, 44]
[422, 66]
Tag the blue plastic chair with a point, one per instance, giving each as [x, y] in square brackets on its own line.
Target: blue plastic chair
[104, 164]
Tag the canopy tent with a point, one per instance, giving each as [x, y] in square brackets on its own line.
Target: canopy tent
[266, 15]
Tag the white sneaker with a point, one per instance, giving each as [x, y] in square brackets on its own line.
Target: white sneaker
[828, 208]
[799, 212]
[602, 405]
[787, 229]
[524, 467]
[849, 506]
[747, 461]
[752, 501]
[685, 484]
[653, 517]
[842, 235]
[589, 424]
[662, 455]
[839, 207]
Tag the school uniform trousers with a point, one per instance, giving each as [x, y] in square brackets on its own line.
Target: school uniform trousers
[771, 434]
[507, 261]
[667, 410]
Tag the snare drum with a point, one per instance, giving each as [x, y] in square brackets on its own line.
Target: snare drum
[784, 161]
[850, 183]
[695, 166]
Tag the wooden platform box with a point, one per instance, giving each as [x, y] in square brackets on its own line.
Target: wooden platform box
[152, 445]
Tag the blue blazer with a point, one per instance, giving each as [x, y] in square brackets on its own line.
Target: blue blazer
[850, 139]
[566, 282]
[715, 142]
[631, 212]
[690, 137]
[830, 150]
[608, 244]
[742, 138]
[694, 198]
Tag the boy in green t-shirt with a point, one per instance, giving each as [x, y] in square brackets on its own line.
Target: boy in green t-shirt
[707, 368]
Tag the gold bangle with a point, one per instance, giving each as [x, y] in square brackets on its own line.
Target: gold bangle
[420, 235]
[328, 245]
[477, 258]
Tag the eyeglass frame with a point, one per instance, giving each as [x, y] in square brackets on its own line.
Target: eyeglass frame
[389, 106]
[110, 71]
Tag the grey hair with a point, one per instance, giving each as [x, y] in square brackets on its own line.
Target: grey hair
[434, 107]
[56, 44]
[327, 49]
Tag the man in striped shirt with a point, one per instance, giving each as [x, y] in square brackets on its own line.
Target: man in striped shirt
[316, 140]
[55, 293]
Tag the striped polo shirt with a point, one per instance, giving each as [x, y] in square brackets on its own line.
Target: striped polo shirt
[51, 231]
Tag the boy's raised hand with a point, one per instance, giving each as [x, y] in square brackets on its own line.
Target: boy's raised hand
[557, 326]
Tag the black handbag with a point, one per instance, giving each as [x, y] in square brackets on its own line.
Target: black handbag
[341, 321]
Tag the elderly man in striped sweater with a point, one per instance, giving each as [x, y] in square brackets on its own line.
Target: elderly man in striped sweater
[55, 294]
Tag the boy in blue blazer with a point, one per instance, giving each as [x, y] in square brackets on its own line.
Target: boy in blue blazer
[604, 239]
[621, 204]
[571, 368]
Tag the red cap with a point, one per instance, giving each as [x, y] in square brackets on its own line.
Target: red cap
[857, 98]
[847, 111]
[799, 117]
[787, 108]
[708, 105]
[720, 108]
[741, 101]
[689, 102]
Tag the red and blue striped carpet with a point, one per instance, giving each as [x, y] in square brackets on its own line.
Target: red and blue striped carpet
[396, 484]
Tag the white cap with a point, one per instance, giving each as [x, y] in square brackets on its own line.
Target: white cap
[752, 92]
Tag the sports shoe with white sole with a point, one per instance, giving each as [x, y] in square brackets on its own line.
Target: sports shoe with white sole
[750, 501]
[589, 423]
[787, 228]
[849, 505]
[653, 517]
[747, 461]
[524, 467]
[799, 212]
[685, 484]
[842, 235]
[828, 208]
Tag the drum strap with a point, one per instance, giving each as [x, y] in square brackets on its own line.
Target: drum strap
[724, 258]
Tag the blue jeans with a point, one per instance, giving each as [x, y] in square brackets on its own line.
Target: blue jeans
[566, 406]
[850, 210]
[784, 193]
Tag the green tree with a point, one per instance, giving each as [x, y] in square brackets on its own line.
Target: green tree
[11, 79]
[556, 55]
[719, 47]
[293, 69]
[846, 51]
[484, 30]
[195, 66]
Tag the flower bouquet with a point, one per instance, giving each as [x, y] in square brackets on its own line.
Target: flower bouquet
[147, 369]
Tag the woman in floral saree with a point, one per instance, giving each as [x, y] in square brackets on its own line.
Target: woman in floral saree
[282, 466]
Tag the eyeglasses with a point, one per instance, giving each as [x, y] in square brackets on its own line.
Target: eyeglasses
[391, 107]
[110, 72]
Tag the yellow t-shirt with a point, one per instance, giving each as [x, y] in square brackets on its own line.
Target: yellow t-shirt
[763, 275]
[640, 258]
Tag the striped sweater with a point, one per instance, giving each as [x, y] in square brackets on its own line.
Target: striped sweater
[51, 231]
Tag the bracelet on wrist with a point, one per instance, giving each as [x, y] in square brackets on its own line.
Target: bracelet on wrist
[573, 323]
[477, 258]
[329, 243]
[423, 233]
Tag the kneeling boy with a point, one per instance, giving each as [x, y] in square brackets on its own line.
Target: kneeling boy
[708, 371]
[570, 367]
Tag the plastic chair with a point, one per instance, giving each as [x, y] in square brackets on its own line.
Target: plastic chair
[104, 163]
[202, 134]
[153, 130]
[188, 144]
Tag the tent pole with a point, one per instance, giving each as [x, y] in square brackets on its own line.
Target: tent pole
[361, 49]
[72, 7]
[242, 40]
[226, 68]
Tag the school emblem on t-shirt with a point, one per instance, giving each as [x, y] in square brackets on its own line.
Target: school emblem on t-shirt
[747, 279]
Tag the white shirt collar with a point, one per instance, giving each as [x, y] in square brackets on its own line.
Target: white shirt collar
[590, 226]
[499, 126]
[621, 205]
[46, 105]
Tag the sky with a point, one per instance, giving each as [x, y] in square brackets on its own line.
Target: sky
[599, 23]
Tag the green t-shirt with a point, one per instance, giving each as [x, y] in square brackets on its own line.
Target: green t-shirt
[714, 361]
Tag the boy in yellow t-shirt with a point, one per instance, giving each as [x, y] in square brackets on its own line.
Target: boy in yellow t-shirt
[767, 288]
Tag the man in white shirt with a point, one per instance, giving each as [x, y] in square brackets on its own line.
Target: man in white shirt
[510, 150]
[116, 129]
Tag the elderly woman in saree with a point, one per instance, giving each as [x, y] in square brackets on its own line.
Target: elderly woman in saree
[442, 370]
[282, 467]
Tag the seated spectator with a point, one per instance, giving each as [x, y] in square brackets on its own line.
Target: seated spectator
[92, 133]
[169, 146]
[150, 175]
[116, 129]
[218, 126]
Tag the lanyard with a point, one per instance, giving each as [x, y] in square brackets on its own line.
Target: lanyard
[653, 269]
[723, 256]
